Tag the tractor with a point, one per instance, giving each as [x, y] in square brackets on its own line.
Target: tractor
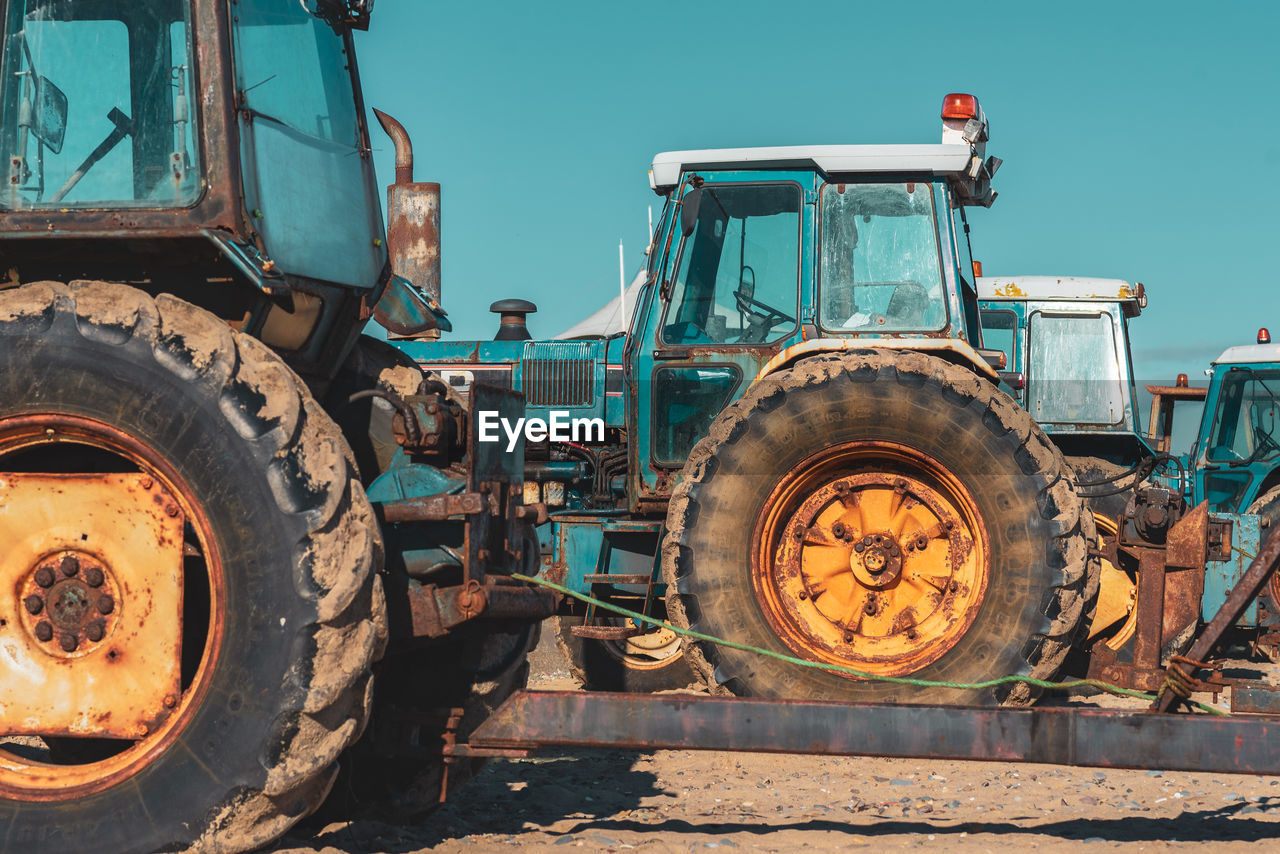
[191, 427]
[1066, 341]
[804, 447]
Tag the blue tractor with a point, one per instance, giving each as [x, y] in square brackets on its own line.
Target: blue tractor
[803, 447]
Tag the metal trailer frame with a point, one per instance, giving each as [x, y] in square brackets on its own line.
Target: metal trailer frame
[1156, 738]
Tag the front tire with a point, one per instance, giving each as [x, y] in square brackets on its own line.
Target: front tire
[888, 512]
[280, 597]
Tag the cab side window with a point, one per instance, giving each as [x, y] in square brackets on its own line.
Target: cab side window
[737, 277]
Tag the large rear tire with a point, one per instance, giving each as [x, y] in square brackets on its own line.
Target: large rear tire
[281, 601]
[885, 511]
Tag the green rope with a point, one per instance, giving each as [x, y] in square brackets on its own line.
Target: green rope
[839, 668]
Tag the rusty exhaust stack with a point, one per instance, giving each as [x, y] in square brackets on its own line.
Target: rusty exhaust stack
[413, 217]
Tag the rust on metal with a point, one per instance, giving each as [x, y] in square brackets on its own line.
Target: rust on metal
[883, 570]
[413, 217]
[606, 632]
[1102, 738]
[1245, 591]
[433, 611]
[91, 602]
[433, 508]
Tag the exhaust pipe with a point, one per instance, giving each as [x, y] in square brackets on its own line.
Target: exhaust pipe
[413, 217]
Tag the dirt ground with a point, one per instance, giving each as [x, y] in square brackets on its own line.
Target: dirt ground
[697, 801]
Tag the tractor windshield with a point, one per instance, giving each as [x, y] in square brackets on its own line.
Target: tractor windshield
[1247, 422]
[880, 266]
[99, 105]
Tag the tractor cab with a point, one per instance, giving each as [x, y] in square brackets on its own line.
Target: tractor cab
[766, 255]
[1236, 457]
[1066, 345]
[204, 148]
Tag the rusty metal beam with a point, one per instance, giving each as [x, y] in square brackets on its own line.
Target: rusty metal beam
[1101, 738]
[1244, 592]
[432, 508]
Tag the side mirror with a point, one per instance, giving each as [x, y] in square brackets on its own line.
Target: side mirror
[689, 211]
[49, 115]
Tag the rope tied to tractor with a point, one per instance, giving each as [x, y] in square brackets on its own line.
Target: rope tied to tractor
[896, 680]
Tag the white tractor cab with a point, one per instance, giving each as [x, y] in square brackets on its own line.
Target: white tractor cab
[1066, 346]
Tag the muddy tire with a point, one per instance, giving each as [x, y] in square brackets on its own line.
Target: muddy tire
[655, 663]
[1267, 505]
[955, 475]
[282, 614]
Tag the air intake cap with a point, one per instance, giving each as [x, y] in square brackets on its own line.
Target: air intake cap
[512, 312]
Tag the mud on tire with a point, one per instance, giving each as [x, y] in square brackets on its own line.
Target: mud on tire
[293, 591]
[1040, 570]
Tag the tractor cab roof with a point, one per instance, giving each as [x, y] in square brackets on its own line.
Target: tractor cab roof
[961, 156]
[957, 162]
[1249, 354]
[1133, 297]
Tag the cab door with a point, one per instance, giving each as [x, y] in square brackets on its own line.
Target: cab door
[728, 300]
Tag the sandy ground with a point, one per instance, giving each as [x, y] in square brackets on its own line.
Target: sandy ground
[698, 801]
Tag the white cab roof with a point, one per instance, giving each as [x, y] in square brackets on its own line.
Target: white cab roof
[1249, 353]
[935, 159]
[1055, 288]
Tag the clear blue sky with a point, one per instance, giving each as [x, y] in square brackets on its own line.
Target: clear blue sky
[1139, 139]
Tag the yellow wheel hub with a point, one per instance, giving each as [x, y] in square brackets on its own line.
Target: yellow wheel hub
[873, 556]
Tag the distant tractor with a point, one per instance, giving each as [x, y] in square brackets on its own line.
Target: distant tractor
[1067, 345]
[805, 435]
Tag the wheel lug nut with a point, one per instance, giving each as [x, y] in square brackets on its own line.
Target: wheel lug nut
[93, 576]
[838, 530]
[69, 565]
[106, 604]
[859, 547]
[96, 630]
[69, 643]
[871, 608]
[44, 576]
[803, 594]
[866, 541]
[44, 631]
[848, 637]
[34, 604]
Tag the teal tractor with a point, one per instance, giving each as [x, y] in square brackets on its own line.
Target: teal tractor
[1067, 344]
[802, 445]
[194, 595]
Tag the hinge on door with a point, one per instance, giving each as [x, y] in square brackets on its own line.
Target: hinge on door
[810, 197]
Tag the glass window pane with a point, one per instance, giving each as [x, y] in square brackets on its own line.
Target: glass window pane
[1248, 416]
[880, 266]
[737, 278]
[685, 402]
[98, 105]
[292, 67]
[1073, 369]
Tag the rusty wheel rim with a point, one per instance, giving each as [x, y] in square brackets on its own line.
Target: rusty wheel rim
[26, 771]
[870, 555]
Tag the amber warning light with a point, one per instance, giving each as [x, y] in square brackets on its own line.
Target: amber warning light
[1264, 337]
[1182, 381]
[960, 106]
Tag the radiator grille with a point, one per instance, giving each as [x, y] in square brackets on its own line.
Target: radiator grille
[559, 373]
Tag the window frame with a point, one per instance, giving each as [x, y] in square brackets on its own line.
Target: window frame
[935, 188]
[1031, 366]
[667, 294]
